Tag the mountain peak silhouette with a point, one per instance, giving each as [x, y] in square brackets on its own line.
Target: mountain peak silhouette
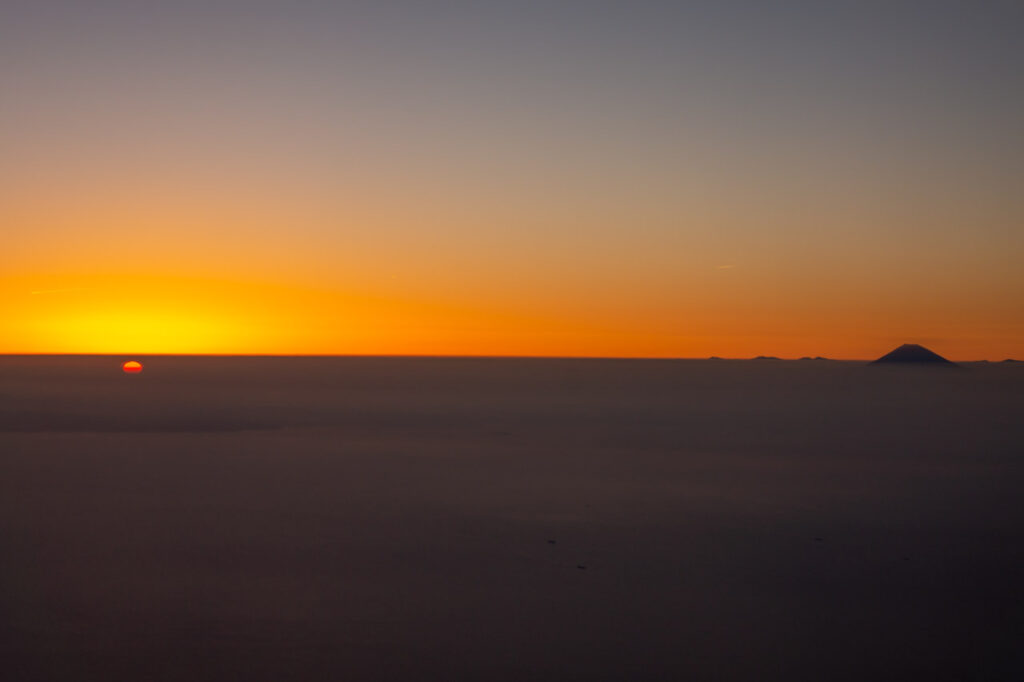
[913, 353]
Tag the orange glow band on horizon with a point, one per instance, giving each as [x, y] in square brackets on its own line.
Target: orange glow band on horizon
[174, 315]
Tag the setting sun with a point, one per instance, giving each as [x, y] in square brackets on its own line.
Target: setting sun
[132, 367]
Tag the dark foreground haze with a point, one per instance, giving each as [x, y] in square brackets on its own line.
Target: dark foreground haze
[484, 519]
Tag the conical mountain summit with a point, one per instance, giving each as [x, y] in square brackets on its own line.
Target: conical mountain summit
[913, 353]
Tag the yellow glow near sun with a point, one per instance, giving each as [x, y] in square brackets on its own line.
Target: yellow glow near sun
[139, 332]
[137, 314]
[149, 314]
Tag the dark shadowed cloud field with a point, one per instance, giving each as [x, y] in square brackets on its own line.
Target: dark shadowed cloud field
[442, 519]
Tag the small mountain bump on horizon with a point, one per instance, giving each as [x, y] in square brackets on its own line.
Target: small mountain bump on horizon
[913, 354]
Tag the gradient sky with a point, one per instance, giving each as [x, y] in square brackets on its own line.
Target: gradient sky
[526, 178]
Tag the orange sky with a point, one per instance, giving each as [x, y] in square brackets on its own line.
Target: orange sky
[667, 183]
[145, 313]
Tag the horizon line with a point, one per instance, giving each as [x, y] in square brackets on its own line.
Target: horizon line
[457, 356]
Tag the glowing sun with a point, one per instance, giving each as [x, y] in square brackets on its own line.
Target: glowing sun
[132, 367]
